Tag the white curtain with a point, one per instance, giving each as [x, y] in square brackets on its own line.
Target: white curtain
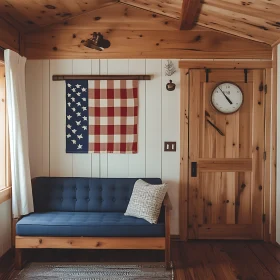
[22, 201]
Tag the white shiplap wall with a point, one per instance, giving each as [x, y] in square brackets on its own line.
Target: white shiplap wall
[159, 121]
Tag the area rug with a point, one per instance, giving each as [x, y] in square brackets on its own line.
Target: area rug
[78, 271]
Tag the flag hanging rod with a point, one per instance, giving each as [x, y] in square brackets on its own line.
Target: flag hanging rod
[100, 77]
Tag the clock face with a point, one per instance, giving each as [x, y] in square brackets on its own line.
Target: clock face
[227, 98]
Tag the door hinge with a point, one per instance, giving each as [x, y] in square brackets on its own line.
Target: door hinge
[263, 218]
[264, 155]
[246, 75]
[263, 87]
[207, 71]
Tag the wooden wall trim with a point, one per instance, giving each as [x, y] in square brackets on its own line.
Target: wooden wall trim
[249, 64]
[273, 143]
[1, 56]
[5, 194]
[275, 44]
[184, 156]
[268, 162]
[60, 44]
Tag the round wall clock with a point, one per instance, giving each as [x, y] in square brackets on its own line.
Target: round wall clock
[227, 98]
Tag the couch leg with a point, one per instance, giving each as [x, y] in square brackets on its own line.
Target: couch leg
[167, 259]
[19, 259]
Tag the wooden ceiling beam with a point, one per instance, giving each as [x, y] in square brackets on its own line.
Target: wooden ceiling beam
[189, 14]
[167, 8]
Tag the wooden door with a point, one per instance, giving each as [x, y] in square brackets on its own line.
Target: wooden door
[226, 195]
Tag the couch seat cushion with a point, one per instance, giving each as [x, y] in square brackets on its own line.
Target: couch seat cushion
[102, 224]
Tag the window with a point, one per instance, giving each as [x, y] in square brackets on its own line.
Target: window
[4, 149]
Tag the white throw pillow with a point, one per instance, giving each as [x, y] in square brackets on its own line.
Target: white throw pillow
[146, 201]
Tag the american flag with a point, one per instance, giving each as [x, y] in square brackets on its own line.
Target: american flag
[101, 116]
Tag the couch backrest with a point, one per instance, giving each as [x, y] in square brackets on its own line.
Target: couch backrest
[83, 194]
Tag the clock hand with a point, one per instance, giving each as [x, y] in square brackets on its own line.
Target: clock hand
[229, 101]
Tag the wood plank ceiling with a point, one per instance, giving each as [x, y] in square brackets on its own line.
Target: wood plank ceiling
[37, 13]
[257, 20]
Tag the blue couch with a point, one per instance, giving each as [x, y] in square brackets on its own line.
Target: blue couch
[88, 213]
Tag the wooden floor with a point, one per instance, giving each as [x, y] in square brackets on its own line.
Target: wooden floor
[199, 260]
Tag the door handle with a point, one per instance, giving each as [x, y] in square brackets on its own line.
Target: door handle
[194, 169]
[219, 131]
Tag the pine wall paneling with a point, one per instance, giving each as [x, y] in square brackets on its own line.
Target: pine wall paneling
[158, 122]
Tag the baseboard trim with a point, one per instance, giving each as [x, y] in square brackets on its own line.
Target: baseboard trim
[175, 237]
[7, 254]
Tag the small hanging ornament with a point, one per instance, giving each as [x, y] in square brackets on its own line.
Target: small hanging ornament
[169, 68]
[170, 86]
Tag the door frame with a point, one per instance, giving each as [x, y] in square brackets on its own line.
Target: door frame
[270, 66]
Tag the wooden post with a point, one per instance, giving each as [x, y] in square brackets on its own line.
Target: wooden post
[167, 236]
[18, 259]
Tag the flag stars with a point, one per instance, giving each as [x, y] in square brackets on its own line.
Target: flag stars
[76, 116]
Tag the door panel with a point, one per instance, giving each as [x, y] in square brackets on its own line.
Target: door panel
[226, 196]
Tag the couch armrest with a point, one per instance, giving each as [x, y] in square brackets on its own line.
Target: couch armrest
[167, 202]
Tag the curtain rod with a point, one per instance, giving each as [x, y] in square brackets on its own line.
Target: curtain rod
[100, 77]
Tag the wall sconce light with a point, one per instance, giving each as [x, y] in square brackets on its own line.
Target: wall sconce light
[170, 86]
[97, 42]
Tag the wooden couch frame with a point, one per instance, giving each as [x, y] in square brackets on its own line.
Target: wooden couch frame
[150, 243]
